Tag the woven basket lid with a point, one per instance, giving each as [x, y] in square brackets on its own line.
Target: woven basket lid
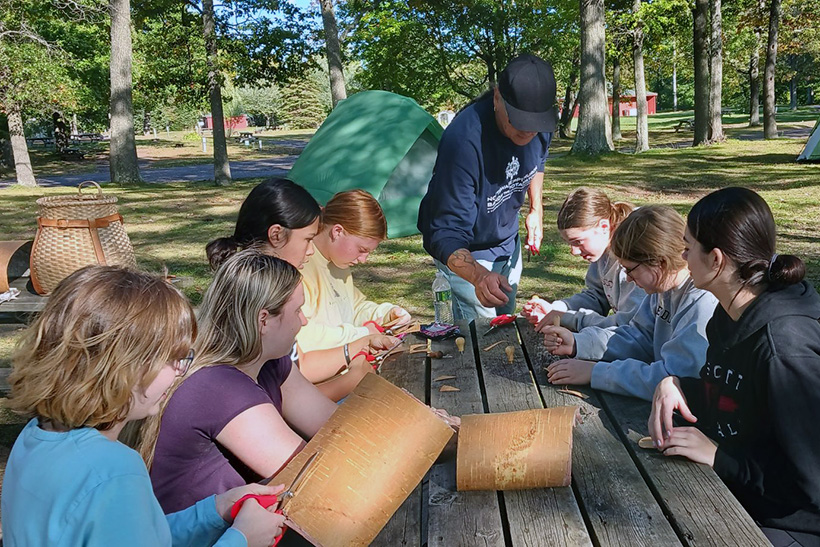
[88, 205]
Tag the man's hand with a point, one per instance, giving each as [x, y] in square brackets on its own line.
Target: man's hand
[535, 229]
[491, 289]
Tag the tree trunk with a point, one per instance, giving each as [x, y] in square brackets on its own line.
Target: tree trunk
[594, 135]
[700, 41]
[123, 165]
[716, 74]
[754, 81]
[565, 129]
[616, 98]
[675, 76]
[769, 121]
[22, 161]
[74, 130]
[334, 53]
[222, 169]
[793, 93]
[642, 121]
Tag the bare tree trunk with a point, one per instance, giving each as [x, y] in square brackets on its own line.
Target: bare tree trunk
[769, 121]
[616, 98]
[700, 40]
[754, 81]
[642, 121]
[675, 76]
[222, 169]
[716, 74]
[594, 135]
[334, 53]
[565, 129]
[74, 130]
[22, 161]
[123, 166]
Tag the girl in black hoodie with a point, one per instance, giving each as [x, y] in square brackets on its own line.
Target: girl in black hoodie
[757, 401]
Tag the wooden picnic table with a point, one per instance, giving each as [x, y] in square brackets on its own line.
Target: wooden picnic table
[620, 494]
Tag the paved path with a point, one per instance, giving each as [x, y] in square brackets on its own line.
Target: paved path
[272, 167]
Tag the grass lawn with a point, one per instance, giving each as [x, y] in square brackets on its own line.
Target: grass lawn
[169, 225]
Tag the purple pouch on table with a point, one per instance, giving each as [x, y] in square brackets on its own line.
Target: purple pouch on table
[439, 331]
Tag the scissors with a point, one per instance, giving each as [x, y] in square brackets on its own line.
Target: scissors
[280, 500]
[500, 321]
[377, 360]
[533, 250]
[391, 329]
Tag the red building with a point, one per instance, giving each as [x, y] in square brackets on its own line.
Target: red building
[237, 122]
[629, 104]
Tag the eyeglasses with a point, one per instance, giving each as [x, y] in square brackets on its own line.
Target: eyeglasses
[181, 366]
[628, 271]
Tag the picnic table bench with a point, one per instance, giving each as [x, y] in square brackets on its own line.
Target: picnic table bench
[45, 141]
[85, 137]
[688, 125]
[620, 494]
[247, 137]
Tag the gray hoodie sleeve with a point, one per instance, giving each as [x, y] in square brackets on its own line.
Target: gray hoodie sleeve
[590, 301]
[591, 342]
[630, 366]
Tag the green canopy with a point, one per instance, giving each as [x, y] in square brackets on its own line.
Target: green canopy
[380, 142]
[812, 150]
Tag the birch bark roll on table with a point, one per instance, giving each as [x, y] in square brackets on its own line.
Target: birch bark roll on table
[374, 450]
[516, 450]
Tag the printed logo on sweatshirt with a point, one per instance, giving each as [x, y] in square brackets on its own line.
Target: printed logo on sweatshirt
[721, 375]
[663, 314]
[717, 380]
[514, 184]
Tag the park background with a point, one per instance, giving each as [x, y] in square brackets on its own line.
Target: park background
[736, 84]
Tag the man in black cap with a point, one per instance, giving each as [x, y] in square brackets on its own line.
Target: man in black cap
[490, 156]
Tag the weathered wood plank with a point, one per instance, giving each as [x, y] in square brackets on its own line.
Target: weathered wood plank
[698, 503]
[616, 500]
[404, 527]
[544, 516]
[459, 518]
[26, 302]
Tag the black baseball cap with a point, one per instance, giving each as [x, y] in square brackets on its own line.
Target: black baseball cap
[527, 86]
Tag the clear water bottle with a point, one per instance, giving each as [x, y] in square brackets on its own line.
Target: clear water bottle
[442, 299]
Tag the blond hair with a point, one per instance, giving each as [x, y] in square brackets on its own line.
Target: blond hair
[651, 235]
[585, 207]
[357, 212]
[103, 332]
[246, 283]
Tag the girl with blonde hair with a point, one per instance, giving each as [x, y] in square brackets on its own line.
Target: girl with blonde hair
[586, 221]
[338, 313]
[667, 333]
[102, 353]
[281, 219]
[244, 411]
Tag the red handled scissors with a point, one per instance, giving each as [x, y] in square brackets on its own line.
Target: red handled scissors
[279, 501]
[500, 321]
[377, 360]
[533, 250]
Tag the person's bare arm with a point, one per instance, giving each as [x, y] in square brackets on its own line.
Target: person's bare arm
[535, 218]
[490, 287]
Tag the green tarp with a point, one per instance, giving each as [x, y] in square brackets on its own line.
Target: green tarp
[380, 142]
[812, 150]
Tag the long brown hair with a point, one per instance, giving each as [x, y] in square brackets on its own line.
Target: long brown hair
[103, 332]
[246, 283]
[585, 207]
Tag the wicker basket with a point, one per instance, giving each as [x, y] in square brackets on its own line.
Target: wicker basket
[74, 231]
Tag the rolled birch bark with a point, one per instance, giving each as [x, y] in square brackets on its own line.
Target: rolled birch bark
[516, 450]
[373, 451]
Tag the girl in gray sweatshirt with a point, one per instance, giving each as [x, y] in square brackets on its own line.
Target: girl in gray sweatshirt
[665, 337]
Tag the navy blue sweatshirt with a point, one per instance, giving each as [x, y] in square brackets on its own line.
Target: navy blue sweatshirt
[479, 183]
[758, 397]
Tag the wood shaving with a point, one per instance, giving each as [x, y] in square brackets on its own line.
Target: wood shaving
[445, 377]
[448, 388]
[566, 391]
[646, 442]
[491, 346]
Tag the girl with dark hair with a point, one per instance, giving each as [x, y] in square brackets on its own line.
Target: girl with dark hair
[586, 221]
[278, 216]
[756, 402]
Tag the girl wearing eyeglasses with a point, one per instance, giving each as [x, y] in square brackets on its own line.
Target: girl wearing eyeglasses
[103, 352]
[586, 221]
[755, 403]
[244, 410]
[667, 333]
